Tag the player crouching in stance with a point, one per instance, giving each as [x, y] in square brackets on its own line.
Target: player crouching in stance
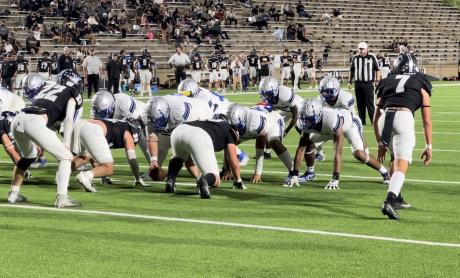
[398, 97]
[214, 136]
[257, 123]
[320, 124]
[52, 103]
[95, 138]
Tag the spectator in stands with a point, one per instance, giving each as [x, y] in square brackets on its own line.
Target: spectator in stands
[9, 68]
[326, 51]
[8, 47]
[92, 69]
[258, 22]
[337, 15]
[179, 60]
[113, 69]
[279, 35]
[32, 45]
[273, 13]
[301, 10]
[326, 18]
[216, 30]
[287, 10]
[3, 31]
[65, 61]
[291, 32]
[231, 17]
[301, 34]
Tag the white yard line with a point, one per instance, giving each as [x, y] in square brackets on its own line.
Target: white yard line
[236, 225]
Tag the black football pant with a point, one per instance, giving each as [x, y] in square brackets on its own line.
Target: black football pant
[6, 83]
[115, 83]
[93, 82]
[180, 75]
[364, 92]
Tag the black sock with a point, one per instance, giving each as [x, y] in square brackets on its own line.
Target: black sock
[175, 164]
[210, 178]
[399, 198]
[391, 197]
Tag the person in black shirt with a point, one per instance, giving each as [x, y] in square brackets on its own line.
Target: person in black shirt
[197, 68]
[113, 73]
[253, 60]
[65, 61]
[264, 61]
[215, 136]
[43, 66]
[9, 68]
[54, 71]
[22, 71]
[399, 96]
[286, 61]
[144, 64]
[213, 67]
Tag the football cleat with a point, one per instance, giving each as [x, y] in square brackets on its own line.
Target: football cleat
[16, 197]
[400, 203]
[27, 175]
[386, 178]
[145, 175]
[106, 180]
[267, 155]
[320, 157]
[243, 158]
[83, 180]
[39, 163]
[170, 186]
[390, 211]
[239, 185]
[63, 201]
[307, 176]
[140, 182]
[291, 181]
[332, 185]
[203, 188]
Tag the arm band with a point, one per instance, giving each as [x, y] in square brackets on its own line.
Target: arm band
[153, 158]
[428, 146]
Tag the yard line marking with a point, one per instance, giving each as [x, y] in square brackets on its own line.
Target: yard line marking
[285, 173]
[238, 225]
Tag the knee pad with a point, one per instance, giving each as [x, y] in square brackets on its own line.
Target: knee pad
[24, 163]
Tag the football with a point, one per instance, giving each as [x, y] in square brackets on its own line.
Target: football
[157, 174]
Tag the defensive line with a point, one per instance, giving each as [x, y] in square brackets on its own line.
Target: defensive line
[237, 225]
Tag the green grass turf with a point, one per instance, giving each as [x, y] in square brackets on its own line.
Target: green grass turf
[52, 244]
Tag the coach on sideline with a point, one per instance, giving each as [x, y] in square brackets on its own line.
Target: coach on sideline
[365, 71]
[179, 60]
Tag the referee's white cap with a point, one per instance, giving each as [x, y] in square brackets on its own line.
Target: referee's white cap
[362, 45]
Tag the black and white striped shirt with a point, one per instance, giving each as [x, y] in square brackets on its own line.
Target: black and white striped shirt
[363, 68]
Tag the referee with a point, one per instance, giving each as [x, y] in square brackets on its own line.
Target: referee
[179, 60]
[365, 71]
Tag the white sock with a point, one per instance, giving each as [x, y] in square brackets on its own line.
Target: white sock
[63, 176]
[366, 151]
[268, 150]
[383, 170]
[396, 182]
[15, 189]
[311, 169]
[89, 175]
[287, 160]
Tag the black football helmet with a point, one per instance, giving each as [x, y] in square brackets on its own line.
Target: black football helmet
[70, 78]
[406, 63]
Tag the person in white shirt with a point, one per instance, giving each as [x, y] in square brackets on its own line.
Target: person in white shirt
[179, 60]
[92, 69]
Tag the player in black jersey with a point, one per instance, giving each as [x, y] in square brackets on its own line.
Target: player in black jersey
[253, 60]
[43, 66]
[52, 104]
[21, 72]
[384, 65]
[96, 137]
[197, 68]
[264, 61]
[54, 69]
[213, 68]
[398, 97]
[286, 61]
[223, 71]
[144, 64]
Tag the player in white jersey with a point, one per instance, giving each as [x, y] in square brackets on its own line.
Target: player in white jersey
[165, 113]
[257, 123]
[320, 124]
[219, 105]
[9, 101]
[52, 104]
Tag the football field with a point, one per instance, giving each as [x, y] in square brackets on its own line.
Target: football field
[264, 231]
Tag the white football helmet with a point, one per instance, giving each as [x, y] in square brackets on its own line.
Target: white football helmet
[311, 114]
[158, 113]
[329, 89]
[269, 89]
[188, 87]
[103, 105]
[32, 84]
[239, 118]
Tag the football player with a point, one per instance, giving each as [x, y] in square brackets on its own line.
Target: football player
[146, 71]
[10, 102]
[94, 139]
[286, 61]
[398, 97]
[253, 67]
[52, 103]
[163, 115]
[214, 74]
[257, 123]
[22, 71]
[219, 105]
[320, 124]
[214, 136]
[43, 66]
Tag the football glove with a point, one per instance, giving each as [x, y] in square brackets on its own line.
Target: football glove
[28, 175]
[239, 185]
[332, 185]
[292, 181]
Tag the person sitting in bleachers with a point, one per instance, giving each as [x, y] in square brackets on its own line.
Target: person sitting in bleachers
[291, 32]
[32, 44]
[274, 13]
[301, 10]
